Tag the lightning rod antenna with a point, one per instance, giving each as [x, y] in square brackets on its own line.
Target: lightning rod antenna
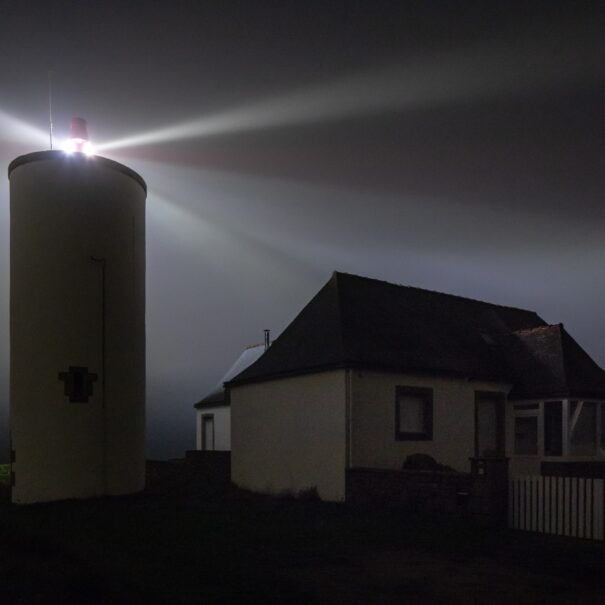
[50, 107]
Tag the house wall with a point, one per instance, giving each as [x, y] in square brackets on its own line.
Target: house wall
[289, 435]
[372, 420]
[222, 427]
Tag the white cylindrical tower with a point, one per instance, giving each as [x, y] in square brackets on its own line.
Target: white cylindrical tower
[77, 322]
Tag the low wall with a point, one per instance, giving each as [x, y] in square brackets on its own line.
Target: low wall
[481, 496]
[438, 491]
[212, 464]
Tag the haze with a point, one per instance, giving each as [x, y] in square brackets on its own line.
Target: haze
[451, 146]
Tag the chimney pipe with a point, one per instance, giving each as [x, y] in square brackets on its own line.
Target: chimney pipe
[267, 339]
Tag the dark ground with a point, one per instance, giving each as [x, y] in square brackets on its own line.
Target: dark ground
[186, 540]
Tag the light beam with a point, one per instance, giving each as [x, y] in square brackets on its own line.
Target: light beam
[14, 130]
[477, 73]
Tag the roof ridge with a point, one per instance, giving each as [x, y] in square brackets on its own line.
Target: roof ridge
[445, 294]
[566, 337]
[563, 355]
[539, 328]
[560, 331]
[258, 344]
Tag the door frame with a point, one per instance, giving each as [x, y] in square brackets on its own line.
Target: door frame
[207, 418]
[500, 399]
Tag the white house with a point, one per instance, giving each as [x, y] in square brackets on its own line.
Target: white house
[213, 413]
[370, 372]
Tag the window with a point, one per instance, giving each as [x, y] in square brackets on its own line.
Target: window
[573, 429]
[526, 435]
[413, 414]
[582, 428]
[553, 428]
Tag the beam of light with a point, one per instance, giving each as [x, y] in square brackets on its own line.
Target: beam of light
[250, 259]
[223, 246]
[319, 224]
[502, 68]
[274, 219]
[16, 131]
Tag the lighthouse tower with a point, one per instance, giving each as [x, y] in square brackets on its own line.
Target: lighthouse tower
[77, 324]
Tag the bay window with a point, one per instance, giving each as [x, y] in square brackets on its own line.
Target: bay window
[568, 428]
[585, 428]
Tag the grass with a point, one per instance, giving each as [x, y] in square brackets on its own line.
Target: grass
[188, 541]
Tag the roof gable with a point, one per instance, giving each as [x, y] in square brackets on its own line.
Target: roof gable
[584, 376]
[312, 341]
[216, 397]
[534, 358]
[547, 362]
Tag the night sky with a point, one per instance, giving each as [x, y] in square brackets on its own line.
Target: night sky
[456, 146]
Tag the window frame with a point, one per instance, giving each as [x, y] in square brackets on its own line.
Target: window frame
[426, 394]
[599, 441]
[537, 407]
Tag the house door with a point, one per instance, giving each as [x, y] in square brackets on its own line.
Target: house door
[489, 425]
[208, 432]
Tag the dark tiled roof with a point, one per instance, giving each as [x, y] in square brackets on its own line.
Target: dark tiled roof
[548, 362]
[363, 323]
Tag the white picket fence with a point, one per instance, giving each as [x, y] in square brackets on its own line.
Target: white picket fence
[566, 506]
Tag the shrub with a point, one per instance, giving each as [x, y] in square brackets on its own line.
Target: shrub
[5, 475]
[424, 462]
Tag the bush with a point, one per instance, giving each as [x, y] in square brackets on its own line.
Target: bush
[5, 475]
[424, 462]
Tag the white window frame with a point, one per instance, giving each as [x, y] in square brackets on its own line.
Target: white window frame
[565, 413]
[600, 455]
